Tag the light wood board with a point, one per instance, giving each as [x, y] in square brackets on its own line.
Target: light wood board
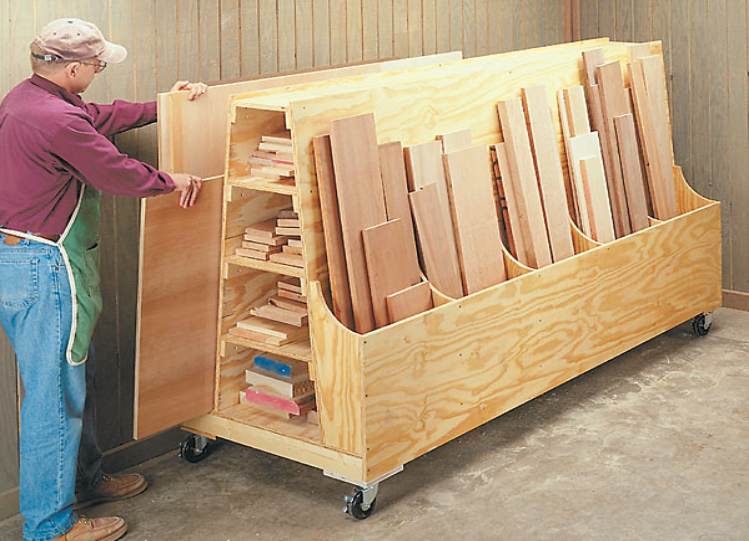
[409, 302]
[600, 225]
[424, 166]
[454, 141]
[507, 187]
[475, 217]
[632, 172]
[577, 110]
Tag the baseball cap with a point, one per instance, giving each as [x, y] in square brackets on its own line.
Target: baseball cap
[73, 40]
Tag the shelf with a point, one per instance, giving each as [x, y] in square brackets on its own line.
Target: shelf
[301, 350]
[283, 187]
[296, 427]
[266, 266]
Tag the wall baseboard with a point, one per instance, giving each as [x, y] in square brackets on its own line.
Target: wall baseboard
[115, 460]
[736, 300]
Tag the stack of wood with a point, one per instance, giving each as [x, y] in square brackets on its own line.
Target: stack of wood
[281, 321]
[279, 386]
[274, 158]
[277, 240]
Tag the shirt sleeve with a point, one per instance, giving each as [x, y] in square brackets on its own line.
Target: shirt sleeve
[95, 160]
[120, 116]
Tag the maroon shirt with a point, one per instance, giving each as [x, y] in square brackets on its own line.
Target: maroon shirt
[51, 141]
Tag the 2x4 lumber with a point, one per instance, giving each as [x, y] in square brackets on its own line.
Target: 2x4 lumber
[395, 188]
[525, 184]
[549, 169]
[454, 141]
[391, 265]
[592, 187]
[439, 256]
[508, 201]
[633, 180]
[614, 103]
[361, 202]
[475, 217]
[409, 302]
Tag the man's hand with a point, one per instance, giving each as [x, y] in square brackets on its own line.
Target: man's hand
[189, 185]
[196, 89]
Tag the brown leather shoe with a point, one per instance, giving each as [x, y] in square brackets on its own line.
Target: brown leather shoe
[95, 529]
[112, 488]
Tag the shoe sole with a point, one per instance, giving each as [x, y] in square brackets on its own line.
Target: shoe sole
[98, 501]
[119, 534]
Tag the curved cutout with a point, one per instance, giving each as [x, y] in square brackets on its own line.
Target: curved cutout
[514, 267]
[580, 240]
[439, 298]
[687, 199]
[654, 221]
[320, 310]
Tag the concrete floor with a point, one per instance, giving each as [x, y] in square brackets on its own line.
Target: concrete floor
[650, 446]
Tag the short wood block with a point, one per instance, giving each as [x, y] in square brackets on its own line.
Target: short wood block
[276, 402]
[281, 315]
[281, 366]
[288, 304]
[288, 259]
[253, 254]
[286, 387]
[272, 328]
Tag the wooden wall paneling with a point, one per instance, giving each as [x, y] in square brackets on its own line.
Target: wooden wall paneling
[634, 182]
[469, 28]
[209, 41]
[305, 36]
[22, 32]
[360, 200]
[624, 30]
[642, 11]
[188, 41]
[400, 28]
[354, 45]
[494, 27]
[661, 29]
[268, 36]
[607, 15]
[699, 112]
[414, 21]
[525, 184]
[442, 17]
[456, 26]
[370, 22]
[738, 158]
[338, 31]
[166, 56]
[505, 25]
[384, 28]
[475, 217]
[8, 416]
[719, 181]
[549, 169]
[681, 61]
[530, 22]
[331, 218]
[518, 32]
[554, 12]
[322, 36]
[589, 19]
[230, 39]
[287, 45]
[144, 60]
[429, 30]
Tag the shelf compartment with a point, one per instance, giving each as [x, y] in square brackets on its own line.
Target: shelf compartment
[266, 266]
[283, 187]
[300, 350]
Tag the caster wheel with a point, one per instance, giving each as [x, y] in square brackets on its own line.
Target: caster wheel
[355, 506]
[701, 325]
[194, 448]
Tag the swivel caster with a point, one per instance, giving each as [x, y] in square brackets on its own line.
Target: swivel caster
[361, 502]
[701, 324]
[194, 448]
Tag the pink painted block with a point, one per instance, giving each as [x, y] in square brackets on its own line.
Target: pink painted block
[278, 402]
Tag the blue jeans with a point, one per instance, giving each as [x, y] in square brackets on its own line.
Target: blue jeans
[36, 312]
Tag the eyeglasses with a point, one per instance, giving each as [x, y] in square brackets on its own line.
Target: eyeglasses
[98, 68]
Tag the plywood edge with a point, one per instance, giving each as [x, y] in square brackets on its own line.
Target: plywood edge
[687, 198]
[581, 241]
[515, 268]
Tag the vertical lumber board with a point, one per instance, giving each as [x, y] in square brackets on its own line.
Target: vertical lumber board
[230, 40]
[507, 28]
[517, 21]
[589, 19]
[144, 59]
[409, 302]
[681, 38]
[661, 29]
[506, 189]
[354, 45]
[385, 28]
[268, 40]
[530, 21]
[8, 416]
[338, 31]
[719, 183]
[400, 28]
[475, 217]
[595, 189]
[331, 218]
[21, 32]
[440, 258]
[414, 21]
[321, 18]
[443, 25]
[395, 189]
[607, 16]
[287, 46]
[166, 44]
[429, 27]
[549, 169]
[361, 202]
[424, 165]
[469, 28]
[699, 112]
[391, 265]
[525, 184]
[577, 110]
[738, 158]
[457, 140]
[642, 20]
[188, 51]
[494, 27]
[634, 181]
[304, 34]
[456, 25]
[209, 41]
[614, 103]
[369, 29]
[624, 23]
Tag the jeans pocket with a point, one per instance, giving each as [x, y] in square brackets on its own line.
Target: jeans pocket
[19, 282]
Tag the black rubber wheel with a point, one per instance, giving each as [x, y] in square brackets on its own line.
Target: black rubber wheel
[189, 449]
[354, 506]
[700, 327]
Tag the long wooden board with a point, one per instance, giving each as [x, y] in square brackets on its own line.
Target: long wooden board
[549, 169]
[475, 217]
[331, 222]
[633, 180]
[592, 187]
[577, 110]
[361, 202]
[454, 141]
[391, 264]
[440, 258]
[424, 165]
[525, 183]
[512, 220]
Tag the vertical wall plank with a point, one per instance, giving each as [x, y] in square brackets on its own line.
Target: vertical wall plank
[209, 43]
[144, 59]
[699, 113]
[642, 19]
[385, 28]
[481, 18]
[552, 13]
[414, 27]
[22, 32]
[456, 25]
[321, 32]
[661, 30]
[738, 158]
[369, 29]
[469, 28]
[443, 26]
[250, 38]
[286, 35]
[354, 45]
[681, 70]
[588, 19]
[429, 18]
[268, 23]
[400, 28]
[166, 44]
[530, 38]
[188, 41]
[518, 33]
[624, 30]
[304, 34]
[337, 31]
[506, 24]
[494, 27]
[607, 18]
[230, 57]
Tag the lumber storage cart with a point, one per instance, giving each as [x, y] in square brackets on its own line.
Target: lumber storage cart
[389, 396]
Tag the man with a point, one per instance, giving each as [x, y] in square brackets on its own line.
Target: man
[55, 160]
